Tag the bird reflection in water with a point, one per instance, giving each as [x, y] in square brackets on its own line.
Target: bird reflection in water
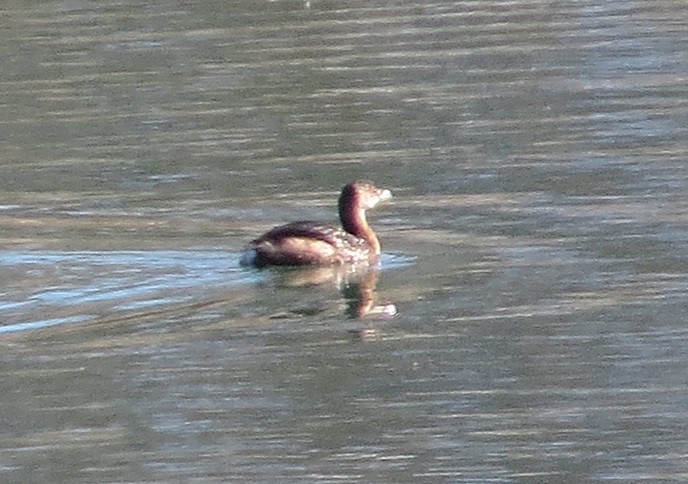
[357, 284]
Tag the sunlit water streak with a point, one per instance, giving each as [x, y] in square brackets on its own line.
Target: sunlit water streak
[81, 282]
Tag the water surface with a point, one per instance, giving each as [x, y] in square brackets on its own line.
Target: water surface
[535, 250]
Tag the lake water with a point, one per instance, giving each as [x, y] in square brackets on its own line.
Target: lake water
[536, 250]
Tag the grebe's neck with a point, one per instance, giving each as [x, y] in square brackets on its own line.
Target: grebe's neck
[353, 218]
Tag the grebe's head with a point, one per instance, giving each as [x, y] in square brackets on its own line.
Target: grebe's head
[363, 194]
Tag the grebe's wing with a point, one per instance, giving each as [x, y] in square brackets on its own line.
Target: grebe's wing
[335, 236]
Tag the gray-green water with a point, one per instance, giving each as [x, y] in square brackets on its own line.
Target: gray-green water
[535, 250]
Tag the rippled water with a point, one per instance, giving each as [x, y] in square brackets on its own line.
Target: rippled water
[535, 250]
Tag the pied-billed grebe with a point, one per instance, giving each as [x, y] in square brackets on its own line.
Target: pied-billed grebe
[311, 243]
